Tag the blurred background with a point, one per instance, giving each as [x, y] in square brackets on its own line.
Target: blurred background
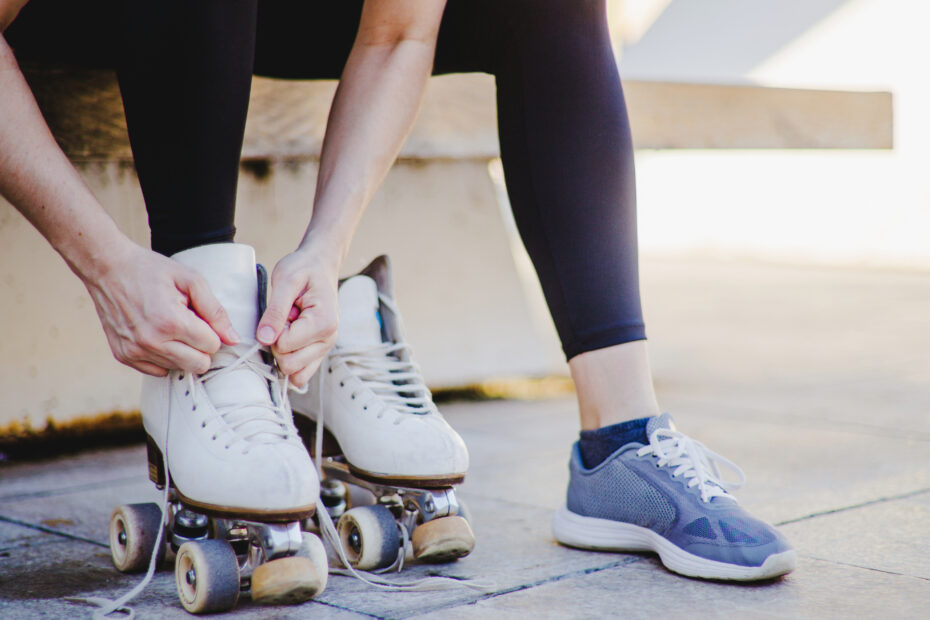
[781, 145]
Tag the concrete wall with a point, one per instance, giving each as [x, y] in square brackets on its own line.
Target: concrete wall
[470, 311]
[471, 303]
[467, 310]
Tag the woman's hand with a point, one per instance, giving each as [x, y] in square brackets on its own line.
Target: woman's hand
[301, 318]
[373, 110]
[157, 314]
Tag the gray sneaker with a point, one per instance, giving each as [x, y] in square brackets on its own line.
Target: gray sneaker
[668, 497]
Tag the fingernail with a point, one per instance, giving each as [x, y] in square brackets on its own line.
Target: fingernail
[235, 335]
[265, 334]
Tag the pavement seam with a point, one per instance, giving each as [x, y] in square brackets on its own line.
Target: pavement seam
[871, 502]
[349, 609]
[51, 530]
[860, 566]
[527, 586]
[90, 486]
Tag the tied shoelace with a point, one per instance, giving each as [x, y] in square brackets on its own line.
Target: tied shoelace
[692, 461]
[389, 371]
[395, 381]
[277, 424]
[272, 426]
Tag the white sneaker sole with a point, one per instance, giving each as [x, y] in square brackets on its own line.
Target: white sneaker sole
[575, 530]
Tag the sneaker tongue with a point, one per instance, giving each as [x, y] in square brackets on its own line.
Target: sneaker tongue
[660, 421]
[359, 317]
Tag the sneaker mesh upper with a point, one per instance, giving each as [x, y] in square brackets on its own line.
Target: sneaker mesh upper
[621, 495]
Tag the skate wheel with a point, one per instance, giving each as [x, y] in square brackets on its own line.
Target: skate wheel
[442, 540]
[286, 581]
[369, 537]
[134, 530]
[311, 547]
[206, 573]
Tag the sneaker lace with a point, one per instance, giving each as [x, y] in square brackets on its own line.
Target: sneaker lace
[692, 461]
[279, 425]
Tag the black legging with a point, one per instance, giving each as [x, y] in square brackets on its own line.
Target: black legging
[185, 70]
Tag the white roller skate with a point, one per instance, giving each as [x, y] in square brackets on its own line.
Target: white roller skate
[239, 479]
[384, 434]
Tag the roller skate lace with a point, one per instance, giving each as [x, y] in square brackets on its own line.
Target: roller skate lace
[239, 430]
[692, 461]
[397, 384]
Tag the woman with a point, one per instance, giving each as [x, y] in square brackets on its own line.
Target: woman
[636, 483]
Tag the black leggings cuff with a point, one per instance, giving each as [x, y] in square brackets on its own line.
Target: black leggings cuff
[603, 339]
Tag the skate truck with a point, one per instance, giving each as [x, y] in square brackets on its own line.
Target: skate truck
[376, 518]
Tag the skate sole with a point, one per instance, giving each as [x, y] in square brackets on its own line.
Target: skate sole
[262, 516]
[416, 482]
[575, 530]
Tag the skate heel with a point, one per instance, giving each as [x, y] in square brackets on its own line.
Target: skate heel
[156, 462]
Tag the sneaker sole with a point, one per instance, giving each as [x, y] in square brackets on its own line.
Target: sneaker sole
[575, 530]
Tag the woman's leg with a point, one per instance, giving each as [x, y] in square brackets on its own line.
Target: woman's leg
[568, 163]
[185, 74]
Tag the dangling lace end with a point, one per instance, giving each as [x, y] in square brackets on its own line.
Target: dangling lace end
[110, 606]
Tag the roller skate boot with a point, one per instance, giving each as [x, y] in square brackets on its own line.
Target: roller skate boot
[237, 477]
[382, 432]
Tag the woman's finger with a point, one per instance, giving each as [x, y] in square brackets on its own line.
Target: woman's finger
[313, 325]
[196, 333]
[149, 368]
[180, 355]
[294, 363]
[208, 308]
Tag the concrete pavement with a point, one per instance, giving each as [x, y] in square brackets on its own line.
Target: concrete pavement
[815, 381]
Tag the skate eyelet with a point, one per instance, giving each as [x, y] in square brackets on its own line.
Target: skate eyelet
[181, 376]
[187, 392]
[365, 408]
[329, 370]
[342, 384]
[353, 397]
[203, 425]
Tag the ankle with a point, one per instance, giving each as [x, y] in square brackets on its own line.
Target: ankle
[614, 384]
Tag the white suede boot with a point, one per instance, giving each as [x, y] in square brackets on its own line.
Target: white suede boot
[228, 435]
[372, 396]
